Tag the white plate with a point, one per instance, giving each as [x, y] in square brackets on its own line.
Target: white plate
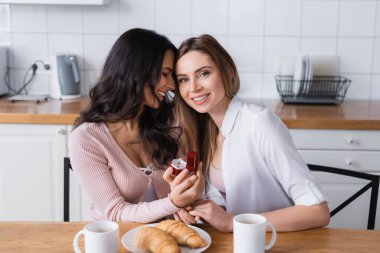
[299, 73]
[128, 240]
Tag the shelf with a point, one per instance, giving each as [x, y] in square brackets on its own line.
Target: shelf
[66, 2]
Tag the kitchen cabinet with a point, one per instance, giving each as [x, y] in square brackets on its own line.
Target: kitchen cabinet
[73, 2]
[347, 149]
[31, 172]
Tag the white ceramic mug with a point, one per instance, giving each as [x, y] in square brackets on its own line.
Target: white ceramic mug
[250, 233]
[99, 237]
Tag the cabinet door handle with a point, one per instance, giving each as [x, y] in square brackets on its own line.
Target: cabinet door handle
[349, 162]
[350, 141]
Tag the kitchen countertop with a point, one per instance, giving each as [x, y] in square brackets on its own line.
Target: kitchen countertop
[350, 115]
[52, 111]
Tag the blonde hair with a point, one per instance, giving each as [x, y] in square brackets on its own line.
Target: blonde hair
[199, 130]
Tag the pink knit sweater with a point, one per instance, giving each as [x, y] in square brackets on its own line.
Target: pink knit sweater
[114, 184]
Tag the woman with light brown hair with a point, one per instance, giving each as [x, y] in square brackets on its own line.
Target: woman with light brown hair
[249, 159]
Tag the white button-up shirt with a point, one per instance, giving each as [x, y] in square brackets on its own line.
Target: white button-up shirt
[262, 170]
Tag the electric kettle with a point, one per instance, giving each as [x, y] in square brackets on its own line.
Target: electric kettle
[65, 78]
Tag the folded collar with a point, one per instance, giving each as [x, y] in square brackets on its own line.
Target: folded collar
[231, 115]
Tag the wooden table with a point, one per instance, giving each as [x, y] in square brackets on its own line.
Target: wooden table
[41, 237]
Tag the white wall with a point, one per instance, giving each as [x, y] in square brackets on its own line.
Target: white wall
[253, 31]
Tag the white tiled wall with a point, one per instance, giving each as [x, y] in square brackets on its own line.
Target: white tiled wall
[253, 31]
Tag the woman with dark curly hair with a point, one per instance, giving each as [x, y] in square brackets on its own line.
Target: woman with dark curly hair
[126, 138]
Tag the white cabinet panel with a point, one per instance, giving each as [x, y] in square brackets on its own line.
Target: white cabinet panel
[355, 215]
[352, 150]
[31, 172]
[366, 161]
[337, 189]
[336, 139]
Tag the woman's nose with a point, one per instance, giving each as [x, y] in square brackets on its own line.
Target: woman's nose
[170, 83]
[193, 85]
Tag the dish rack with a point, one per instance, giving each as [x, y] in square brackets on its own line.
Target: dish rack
[319, 90]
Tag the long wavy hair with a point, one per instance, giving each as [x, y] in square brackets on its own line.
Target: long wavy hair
[199, 130]
[135, 60]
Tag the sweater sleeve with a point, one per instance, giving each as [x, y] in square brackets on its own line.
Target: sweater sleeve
[285, 163]
[90, 164]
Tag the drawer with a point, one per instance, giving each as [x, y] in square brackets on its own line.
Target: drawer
[336, 139]
[367, 161]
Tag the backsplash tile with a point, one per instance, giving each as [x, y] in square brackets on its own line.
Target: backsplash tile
[377, 33]
[253, 31]
[29, 18]
[274, 46]
[360, 86]
[357, 18]
[250, 85]
[283, 17]
[269, 88]
[134, 13]
[96, 49]
[5, 39]
[375, 88]
[247, 52]
[64, 18]
[5, 18]
[319, 45]
[355, 55]
[376, 57]
[246, 17]
[210, 16]
[26, 48]
[179, 20]
[101, 19]
[320, 18]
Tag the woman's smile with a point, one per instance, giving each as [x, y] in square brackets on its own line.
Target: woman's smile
[198, 100]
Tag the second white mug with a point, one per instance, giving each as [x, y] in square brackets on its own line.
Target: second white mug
[250, 232]
[99, 237]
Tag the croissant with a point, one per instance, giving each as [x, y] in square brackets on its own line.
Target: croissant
[155, 240]
[182, 233]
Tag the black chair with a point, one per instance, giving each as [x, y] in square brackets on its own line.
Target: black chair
[66, 188]
[374, 184]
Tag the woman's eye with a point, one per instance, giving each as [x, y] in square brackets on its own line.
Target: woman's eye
[204, 73]
[182, 80]
[167, 73]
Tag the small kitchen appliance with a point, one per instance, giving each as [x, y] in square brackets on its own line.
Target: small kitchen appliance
[65, 78]
[3, 70]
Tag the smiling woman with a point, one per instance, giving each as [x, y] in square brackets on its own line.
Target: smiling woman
[251, 163]
[125, 139]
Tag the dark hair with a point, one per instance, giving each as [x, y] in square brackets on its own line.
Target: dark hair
[134, 61]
